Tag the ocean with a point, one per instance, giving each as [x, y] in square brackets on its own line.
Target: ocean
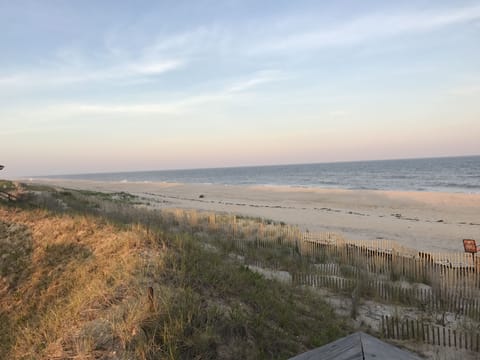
[452, 174]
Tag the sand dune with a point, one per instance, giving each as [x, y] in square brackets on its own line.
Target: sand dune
[429, 221]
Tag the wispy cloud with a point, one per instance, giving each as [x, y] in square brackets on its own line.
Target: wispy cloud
[181, 105]
[115, 109]
[170, 51]
[70, 111]
[154, 68]
[42, 78]
[185, 103]
[124, 71]
[261, 77]
[174, 107]
[367, 28]
[112, 62]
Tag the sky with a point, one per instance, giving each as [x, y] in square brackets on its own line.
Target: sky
[104, 86]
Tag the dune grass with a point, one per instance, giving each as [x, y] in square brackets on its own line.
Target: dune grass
[77, 268]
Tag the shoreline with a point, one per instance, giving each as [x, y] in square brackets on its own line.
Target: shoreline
[426, 221]
[280, 187]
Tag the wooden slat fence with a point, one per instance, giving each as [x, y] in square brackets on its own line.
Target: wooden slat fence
[451, 280]
[428, 333]
[420, 297]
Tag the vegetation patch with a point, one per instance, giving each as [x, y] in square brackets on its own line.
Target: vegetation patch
[99, 278]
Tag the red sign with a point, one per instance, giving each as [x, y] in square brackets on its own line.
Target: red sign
[470, 246]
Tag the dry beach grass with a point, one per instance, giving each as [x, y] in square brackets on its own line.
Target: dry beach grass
[222, 289]
[76, 278]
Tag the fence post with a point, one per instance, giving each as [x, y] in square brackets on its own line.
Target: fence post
[383, 326]
[150, 299]
[398, 327]
[390, 327]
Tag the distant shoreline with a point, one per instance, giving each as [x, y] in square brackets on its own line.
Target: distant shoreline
[272, 187]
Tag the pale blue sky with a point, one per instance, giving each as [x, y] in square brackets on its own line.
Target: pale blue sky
[90, 86]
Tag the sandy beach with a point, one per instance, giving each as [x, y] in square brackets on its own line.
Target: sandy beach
[428, 221]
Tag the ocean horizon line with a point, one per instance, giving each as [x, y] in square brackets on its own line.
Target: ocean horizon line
[250, 166]
[444, 174]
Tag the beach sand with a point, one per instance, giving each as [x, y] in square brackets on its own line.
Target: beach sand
[427, 221]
